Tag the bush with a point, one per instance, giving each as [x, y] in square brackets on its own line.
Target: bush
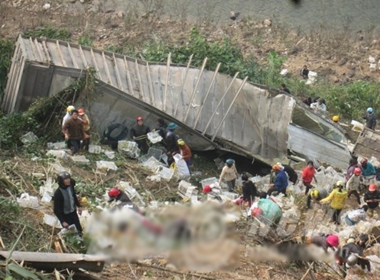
[49, 33]
[6, 51]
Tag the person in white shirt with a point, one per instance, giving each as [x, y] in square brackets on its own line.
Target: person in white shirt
[319, 106]
[357, 215]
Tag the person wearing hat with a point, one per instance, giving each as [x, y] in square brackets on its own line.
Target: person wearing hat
[67, 116]
[352, 254]
[353, 184]
[229, 174]
[281, 181]
[316, 195]
[185, 152]
[249, 191]
[308, 174]
[161, 127]
[74, 132]
[65, 201]
[171, 139]
[324, 241]
[368, 172]
[86, 127]
[337, 199]
[138, 134]
[372, 198]
[120, 197]
[370, 118]
[356, 215]
[353, 163]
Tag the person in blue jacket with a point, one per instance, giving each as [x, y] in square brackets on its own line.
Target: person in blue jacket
[368, 172]
[280, 182]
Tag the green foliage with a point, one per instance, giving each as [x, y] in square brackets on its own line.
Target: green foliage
[350, 100]
[9, 210]
[114, 49]
[85, 41]
[49, 33]
[271, 77]
[13, 126]
[6, 50]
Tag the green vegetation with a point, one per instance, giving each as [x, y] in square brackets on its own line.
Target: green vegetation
[6, 50]
[49, 33]
[85, 41]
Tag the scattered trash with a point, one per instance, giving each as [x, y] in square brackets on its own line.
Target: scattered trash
[130, 191]
[208, 181]
[154, 137]
[52, 221]
[165, 173]
[110, 154]
[94, 149]
[357, 126]
[284, 72]
[47, 190]
[38, 175]
[70, 229]
[129, 147]
[185, 189]
[312, 78]
[152, 164]
[58, 168]
[28, 138]
[28, 201]
[105, 166]
[56, 146]
[61, 154]
[80, 159]
[46, 6]
[182, 170]
[156, 153]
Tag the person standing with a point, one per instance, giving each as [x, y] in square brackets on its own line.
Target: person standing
[370, 118]
[66, 203]
[67, 116]
[185, 152]
[372, 198]
[249, 191]
[73, 129]
[308, 174]
[171, 139]
[139, 132]
[305, 72]
[86, 127]
[337, 199]
[229, 174]
[161, 127]
[280, 182]
[353, 184]
[368, 172]
[351, 167]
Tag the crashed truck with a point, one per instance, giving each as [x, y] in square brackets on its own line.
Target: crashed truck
[213, 110]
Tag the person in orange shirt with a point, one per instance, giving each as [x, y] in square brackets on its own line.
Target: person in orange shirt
[308, 174]
[185, 152]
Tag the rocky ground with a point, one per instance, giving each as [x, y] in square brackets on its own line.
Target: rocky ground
[339, 57]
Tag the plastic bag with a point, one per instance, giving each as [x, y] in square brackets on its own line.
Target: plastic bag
[105, 165]
[182, 169]
[28, 201]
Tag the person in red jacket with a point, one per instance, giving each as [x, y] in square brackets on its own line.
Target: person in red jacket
[308, 173]
[185, 152]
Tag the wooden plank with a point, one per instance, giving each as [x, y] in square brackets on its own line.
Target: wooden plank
[141, 93]
[194, 90]
[60, 54]
[229, 108]
[46, 50]
[83, 57]
[131, 91]
[9, 88]
[32, 47]
[73, 59]
[181, 95]
[37, 45]
[166, 81]
[219, 103]
[118, 78]
[151, 88]
[107, 70]
[96, 65]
